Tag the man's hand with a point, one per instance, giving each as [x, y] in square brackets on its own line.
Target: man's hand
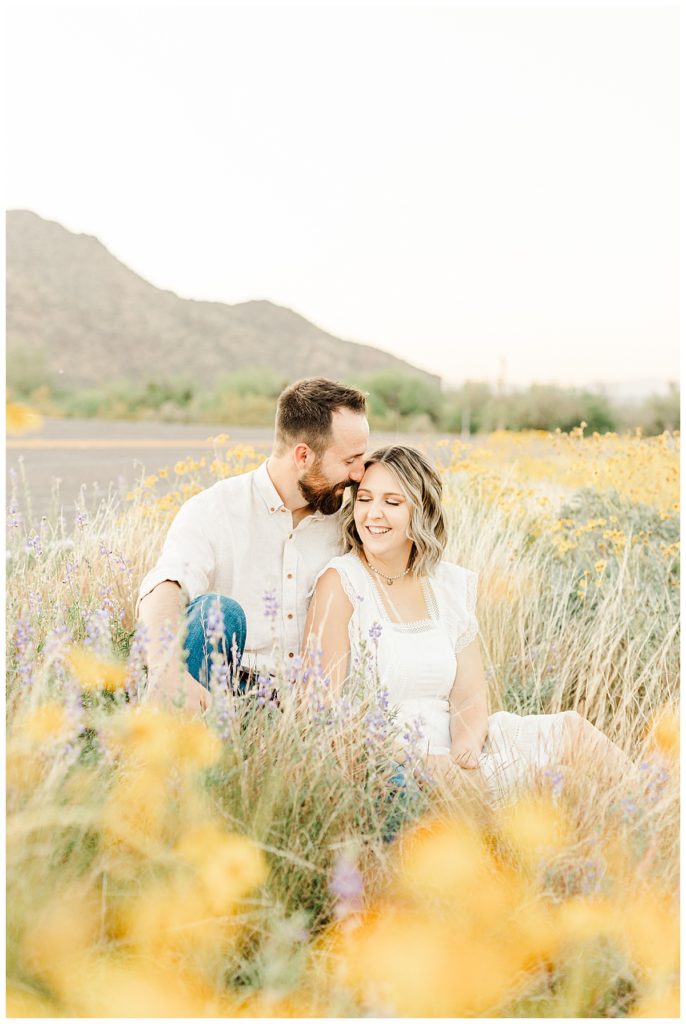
[178, 688]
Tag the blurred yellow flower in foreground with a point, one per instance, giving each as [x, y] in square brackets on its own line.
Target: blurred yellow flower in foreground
[60, 935]
[171, 916]
[94, 672]
[136, 988]
[21, 419]
[228, 865]
[154, 737]
[534, 825]
[659, 1003]
[47, 722]
[21, 1003]
[411, 964]
[136, 809]
[664, 732]
[650, 932]
[441, 858]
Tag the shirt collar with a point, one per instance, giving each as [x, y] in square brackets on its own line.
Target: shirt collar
[266, 489]
[269, 494]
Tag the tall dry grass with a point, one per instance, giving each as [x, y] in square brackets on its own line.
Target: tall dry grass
[268, 861]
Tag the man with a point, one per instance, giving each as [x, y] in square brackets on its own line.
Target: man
[252, 546]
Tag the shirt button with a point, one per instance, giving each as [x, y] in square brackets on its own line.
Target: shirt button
[289, 576]
[290, 615]
[290, 536]
[272, 510]
[290, 654]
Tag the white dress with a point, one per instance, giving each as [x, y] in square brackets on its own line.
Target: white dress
[416, 664]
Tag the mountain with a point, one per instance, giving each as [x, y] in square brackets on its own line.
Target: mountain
[73, 308]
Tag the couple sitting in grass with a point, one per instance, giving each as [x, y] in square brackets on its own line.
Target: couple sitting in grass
[277, 565]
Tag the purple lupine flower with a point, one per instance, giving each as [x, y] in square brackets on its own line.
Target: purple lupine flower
[123, 565]
[347, 885]
[629, 808]
[270, 605]
[98, 634]
[222, 713]
[13, 515]
[135, 682]
[375, 631]
[166, 636]
[555, 779]
[214, 623]
[220, 674]
[23, 641]
[376, 725]
[81, 519]
[33, 545]
[591, 873]
[264, 689]
[105, 594]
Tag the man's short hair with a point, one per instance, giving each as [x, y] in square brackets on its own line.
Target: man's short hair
[304, 411]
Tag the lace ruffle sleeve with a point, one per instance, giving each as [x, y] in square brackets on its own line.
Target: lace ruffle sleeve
[459, 603]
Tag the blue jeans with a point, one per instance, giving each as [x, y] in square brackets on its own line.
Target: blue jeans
[226, 623]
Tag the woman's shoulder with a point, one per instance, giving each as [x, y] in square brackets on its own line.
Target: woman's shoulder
[457, 584]
[450, 572]
[342, 572]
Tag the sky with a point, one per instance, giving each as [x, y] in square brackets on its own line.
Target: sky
[483, 191]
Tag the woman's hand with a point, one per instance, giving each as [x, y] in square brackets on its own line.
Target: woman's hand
[440, 766]
[465, 758]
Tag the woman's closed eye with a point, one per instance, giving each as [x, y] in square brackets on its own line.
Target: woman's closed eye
[388, 501]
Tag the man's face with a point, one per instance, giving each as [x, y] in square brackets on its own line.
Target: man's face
[323, 484]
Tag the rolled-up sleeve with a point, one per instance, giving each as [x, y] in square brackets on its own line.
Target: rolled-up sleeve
[188, 556]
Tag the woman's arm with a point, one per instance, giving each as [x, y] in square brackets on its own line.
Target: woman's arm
[326, 629]
[468, 708]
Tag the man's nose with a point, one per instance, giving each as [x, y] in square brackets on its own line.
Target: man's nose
[356, 474]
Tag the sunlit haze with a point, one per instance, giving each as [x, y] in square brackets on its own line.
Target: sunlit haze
[480, 191]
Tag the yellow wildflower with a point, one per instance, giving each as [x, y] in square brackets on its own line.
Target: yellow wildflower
[228, 865]
[94, 672]
[49, 721]
[534, 825]
[441, 859]
[21, 419]
[150, 481]
[600, 566]
[664, 731]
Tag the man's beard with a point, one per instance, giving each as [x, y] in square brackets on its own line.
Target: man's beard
[320, 495]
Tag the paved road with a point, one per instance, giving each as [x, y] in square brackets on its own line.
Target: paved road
[100, 456]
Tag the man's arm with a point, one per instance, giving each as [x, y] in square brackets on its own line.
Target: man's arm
[161, 612]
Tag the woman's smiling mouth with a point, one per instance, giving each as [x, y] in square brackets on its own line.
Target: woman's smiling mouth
[378, 531]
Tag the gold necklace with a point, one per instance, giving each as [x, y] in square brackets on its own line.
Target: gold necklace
[390, 580]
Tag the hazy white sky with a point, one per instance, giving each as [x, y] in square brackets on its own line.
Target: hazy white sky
[451, 184]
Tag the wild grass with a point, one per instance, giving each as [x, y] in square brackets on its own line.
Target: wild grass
[264, 862]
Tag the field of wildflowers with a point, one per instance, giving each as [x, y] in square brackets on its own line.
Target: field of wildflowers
[264, 861]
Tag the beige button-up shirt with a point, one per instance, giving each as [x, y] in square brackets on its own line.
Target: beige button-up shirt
[237, 538]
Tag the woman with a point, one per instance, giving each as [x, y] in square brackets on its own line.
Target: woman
[394, 590]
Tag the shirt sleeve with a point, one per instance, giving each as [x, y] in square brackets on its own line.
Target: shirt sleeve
[188, 555]
[460, 604]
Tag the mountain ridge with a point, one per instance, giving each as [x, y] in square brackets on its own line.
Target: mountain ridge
[75, 308]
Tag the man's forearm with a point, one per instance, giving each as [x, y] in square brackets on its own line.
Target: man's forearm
[161, 613]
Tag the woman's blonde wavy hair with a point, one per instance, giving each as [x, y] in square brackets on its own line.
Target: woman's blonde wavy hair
[422, 488]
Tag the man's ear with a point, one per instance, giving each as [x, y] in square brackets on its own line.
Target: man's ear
[301, 455]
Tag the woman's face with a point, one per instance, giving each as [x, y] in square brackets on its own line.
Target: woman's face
[382, 513]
